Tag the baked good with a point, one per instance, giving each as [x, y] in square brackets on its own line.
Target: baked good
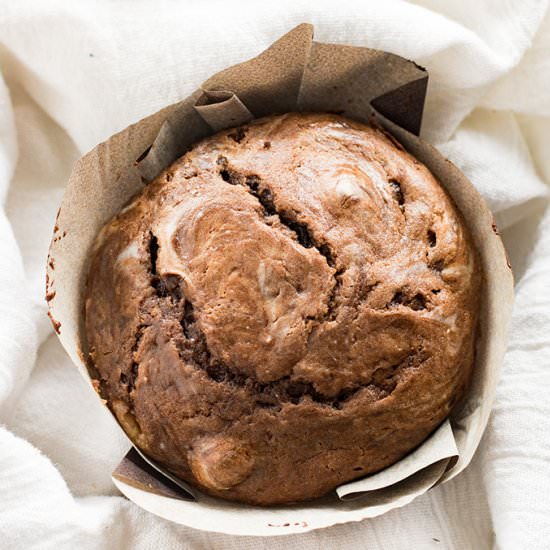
[290, 306]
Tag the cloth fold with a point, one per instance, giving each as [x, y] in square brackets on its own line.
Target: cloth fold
[74, 73]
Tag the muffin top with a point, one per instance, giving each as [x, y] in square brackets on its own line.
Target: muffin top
[289, 306]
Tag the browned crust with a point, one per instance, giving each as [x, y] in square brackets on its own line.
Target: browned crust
[290, 306]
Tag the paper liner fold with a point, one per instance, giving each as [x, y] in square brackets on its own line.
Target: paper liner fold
[440, 447]
[294, 74]
[138, 472]
[222, 110]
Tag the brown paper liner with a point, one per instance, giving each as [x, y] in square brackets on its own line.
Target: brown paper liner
[294, 74]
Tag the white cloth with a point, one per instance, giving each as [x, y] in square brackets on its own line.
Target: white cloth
[76, 72]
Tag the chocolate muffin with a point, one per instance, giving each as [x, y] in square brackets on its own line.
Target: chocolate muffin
[288, 307]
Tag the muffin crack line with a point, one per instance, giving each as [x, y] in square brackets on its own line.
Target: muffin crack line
[258, 189]
[284, 390]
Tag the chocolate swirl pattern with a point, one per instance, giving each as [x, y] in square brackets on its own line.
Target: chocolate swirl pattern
[290, 306]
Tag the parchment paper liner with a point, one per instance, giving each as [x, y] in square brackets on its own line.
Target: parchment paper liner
[294, 74]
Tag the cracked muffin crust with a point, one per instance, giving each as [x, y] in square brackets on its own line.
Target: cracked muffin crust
[290, 306]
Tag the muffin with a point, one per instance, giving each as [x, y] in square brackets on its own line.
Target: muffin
[291, 305]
